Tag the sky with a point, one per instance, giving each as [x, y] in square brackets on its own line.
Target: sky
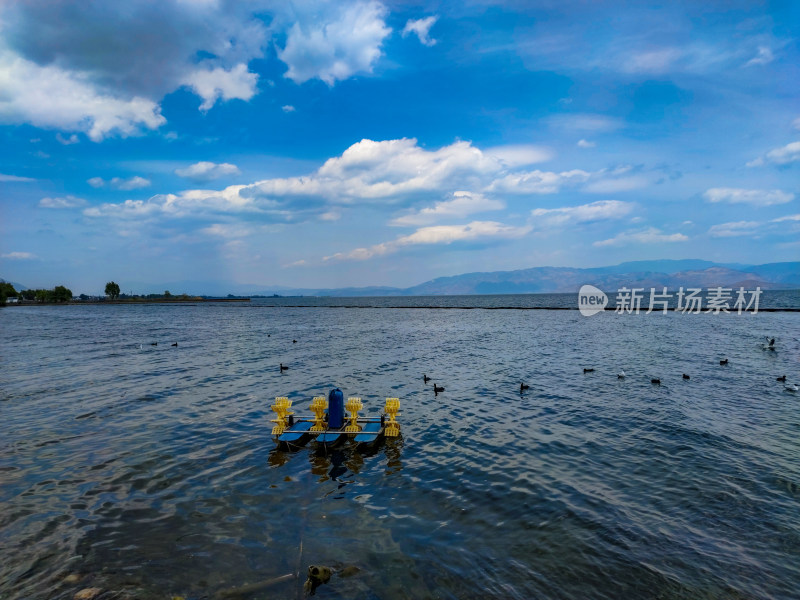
[336, 144]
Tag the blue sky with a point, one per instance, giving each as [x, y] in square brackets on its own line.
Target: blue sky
[333, 144]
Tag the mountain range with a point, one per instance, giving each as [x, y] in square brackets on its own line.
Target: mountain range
[536, 280]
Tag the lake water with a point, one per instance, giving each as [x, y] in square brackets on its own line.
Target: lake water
[149, 471]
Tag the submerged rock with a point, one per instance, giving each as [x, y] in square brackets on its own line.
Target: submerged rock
[87, 594]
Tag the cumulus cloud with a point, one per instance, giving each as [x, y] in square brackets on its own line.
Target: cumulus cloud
[4, 177]
[382, 173]
[586, 144]
[18, 256]
[207, 171]
[754, 197]
[462, 204]
[215, 84]
[63, 202]
[375, 170]
[50, 97]
[783, 156]
[646, 236]
[779, 156]
[348, 42]
[288, 108]
[421, 27]
[439, 234]
[596, 211]
[103, 71]
[190, 203]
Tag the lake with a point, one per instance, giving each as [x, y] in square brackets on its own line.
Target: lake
[149, 471]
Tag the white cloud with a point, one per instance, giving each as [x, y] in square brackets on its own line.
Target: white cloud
[370, 170]
[52, 98]
[228, 231]
[786, 218]
[288, 108]
[219, 83]
[646, 236]
[4, 177]
[67, 141]
[207, 171]
[596, 211]
[421, 27]
[537, 182]
[614, 185]
[734, 229]
[348, 42]
[439, 234]
[763, 57]
[134, 183]
[190, 203]
[519, 155]
[783, 156]
[652, 62]
[63, 202]
[18, 256]
[754, 197]
[584, 122]
[382, 173]
[779, 156]
[118, 183]
[586, 144]
[462, 204]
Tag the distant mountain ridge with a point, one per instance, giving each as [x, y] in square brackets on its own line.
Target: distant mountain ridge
[536, 280]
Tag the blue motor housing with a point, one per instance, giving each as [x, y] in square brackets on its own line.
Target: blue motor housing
[335, 409]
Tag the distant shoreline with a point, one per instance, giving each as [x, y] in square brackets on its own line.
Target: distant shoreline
[132, 301]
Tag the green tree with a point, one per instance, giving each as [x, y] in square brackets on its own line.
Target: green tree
[43, 295]
[6, 291]
[112, 290]
[167, 294]
[62, 294]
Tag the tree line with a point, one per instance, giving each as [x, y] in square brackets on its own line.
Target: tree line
[57, 294]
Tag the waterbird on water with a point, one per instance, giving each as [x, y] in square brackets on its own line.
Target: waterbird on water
[425, 378]
[175, 344]
[284, 368]
[523, 387]
[154, 343]
[781, 378]
[437, 389]
[724, 361]
[588, 370]
[791, 387]
[685, 376]
[294, 341]
[656, 381]
[621, 375]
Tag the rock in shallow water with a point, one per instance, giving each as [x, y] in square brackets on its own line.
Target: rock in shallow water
[87, 594]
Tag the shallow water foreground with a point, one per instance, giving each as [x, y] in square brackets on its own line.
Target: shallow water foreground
[148, 471]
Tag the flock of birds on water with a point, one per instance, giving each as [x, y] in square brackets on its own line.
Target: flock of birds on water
[437, 389]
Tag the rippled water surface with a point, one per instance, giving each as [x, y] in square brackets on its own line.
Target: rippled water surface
[149, 471]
